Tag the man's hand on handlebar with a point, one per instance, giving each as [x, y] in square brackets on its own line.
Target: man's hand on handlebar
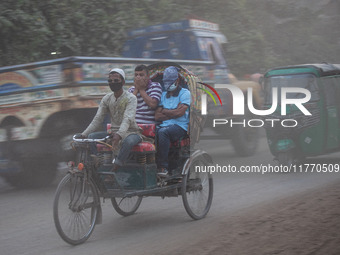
[115, 140]
[79, 136]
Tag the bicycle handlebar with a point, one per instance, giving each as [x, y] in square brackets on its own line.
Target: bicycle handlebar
[84, 140]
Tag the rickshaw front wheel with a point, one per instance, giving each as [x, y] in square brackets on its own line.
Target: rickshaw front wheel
[126, 206]
[75, 208]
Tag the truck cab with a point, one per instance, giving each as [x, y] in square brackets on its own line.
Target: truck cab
[186, 40]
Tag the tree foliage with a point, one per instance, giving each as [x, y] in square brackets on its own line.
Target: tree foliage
[261, 33]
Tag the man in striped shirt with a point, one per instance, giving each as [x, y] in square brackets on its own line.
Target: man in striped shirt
[148, 95]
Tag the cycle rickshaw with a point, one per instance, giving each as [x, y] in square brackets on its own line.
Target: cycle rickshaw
[77, 205]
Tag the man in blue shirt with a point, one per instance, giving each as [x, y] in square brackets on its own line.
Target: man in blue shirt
[173, 111]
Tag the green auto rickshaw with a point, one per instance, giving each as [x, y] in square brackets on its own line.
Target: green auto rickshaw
[303, 104]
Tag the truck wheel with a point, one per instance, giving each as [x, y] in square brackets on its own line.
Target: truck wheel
[245, 140]
[64, 142]
[66, 129]
[63, 139]
[32, 173]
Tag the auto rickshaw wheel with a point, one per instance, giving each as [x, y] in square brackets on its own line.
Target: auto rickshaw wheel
[245, 140]
[286, 158]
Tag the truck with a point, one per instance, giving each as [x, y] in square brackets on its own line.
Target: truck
[42, 104]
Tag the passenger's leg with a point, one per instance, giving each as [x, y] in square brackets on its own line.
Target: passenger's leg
[127, 144]
[163, 147]
[165, 136]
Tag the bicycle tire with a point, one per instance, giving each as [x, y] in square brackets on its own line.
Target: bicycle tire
[126, 206]
[197, 191]
[74, 200]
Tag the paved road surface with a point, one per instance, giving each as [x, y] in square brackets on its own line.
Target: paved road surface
[27, 227]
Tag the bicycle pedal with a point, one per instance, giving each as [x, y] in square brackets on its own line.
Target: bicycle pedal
[108, 179]
[161, 182]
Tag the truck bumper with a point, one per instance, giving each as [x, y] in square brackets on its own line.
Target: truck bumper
[14, 152]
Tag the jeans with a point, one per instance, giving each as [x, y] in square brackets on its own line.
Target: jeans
[126, 146]
[165, 136]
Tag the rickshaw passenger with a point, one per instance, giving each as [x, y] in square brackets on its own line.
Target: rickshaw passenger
[173, 111]
[121, 106]
[148, 95]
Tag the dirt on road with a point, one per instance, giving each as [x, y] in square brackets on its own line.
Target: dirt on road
[304, 224]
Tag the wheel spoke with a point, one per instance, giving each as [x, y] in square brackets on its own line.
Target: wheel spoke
[75, 209]
[197, 191]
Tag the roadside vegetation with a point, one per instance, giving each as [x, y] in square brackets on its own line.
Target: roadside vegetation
[261, 34]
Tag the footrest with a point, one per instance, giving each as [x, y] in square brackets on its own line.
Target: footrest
[177, 177]
[107, 173]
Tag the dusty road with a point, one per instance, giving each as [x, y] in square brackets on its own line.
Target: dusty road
[247, 210]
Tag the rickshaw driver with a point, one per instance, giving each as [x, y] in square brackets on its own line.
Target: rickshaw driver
[121, 105]
[173, 111]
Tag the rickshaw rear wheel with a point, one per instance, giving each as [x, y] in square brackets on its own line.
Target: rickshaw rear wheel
[126, 206]
[197, 190]
[75, 208]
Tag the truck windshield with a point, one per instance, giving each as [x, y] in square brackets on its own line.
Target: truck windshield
[307, 81]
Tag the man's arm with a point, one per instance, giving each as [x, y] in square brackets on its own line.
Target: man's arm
[162, 114]
[175, 113]
[98, 119]
[129, 116]
[159, 115]
[150, 101]
[133, 90]
[153, 99]
[184, 102]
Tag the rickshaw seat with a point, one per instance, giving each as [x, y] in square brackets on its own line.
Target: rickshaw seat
[144, 147]
[141, 147]
[149, 130]
[185, 141]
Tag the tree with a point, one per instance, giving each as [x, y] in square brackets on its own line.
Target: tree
[261, 34]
